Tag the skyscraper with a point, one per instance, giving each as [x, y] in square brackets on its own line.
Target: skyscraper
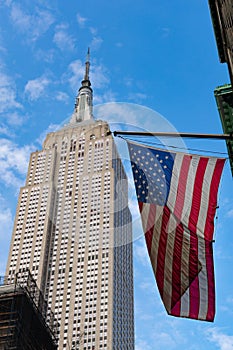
[73, 232]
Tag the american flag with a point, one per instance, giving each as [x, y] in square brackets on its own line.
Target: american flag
[177, 197]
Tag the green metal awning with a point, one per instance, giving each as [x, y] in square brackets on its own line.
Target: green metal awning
[224, 98]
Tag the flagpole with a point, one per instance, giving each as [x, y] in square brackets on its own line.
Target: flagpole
[173, 134]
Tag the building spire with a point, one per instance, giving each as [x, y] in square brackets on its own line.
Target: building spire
[84, 100]
[86, 77]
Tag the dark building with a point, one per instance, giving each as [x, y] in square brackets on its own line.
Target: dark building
[222, 18]
[22, 317]
[223, 95]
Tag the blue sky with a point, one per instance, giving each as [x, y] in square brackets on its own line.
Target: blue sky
[159, 54]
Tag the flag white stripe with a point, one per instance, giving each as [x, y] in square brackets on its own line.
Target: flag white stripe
[205, 196]
[144, 216]
[156, 237]
[184, 309]
[185, 220]
[171, 201]
[185, 302]
[203, 281]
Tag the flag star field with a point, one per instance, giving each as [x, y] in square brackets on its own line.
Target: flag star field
[156, 166]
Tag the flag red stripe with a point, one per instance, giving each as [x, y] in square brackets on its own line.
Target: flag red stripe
[140, 204]
[177, 253]
[194, 293]
[209, 226]
[181, 189]
[210, 278]
[176, 273]
[197, 193]
[193, 218]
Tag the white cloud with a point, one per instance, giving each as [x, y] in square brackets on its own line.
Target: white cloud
[96, 40]
[142, 345]
[119, 44]
[32, 26]
[224, 341]
[93, 31]
[128, 81]
[81, 20]
[104, 97]
[165, 340]
[137, 97]
[13, 162]
[170, 334]
[20, 18]
[229, 213]
[36, 88]
[99, 76]
[7, 93]
[45, 55]
[145, 285]
[137, 117]
[75, 74]
[4, 130]
[51, 128]
[141, 253]
[8, 2]
[6, 221]
[62, 96]
[62, 39]
[15, 119]
[230, 300]
[11, 121]
[2, 48]
[96, 43]
[6, 224]
[119, 112]
[14, 159]
[165, 32]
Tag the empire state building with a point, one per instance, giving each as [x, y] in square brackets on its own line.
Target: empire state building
[73, 231]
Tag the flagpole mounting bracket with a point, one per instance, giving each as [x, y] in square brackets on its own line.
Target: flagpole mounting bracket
[174, 134]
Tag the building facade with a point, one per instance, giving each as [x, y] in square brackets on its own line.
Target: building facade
[222, 18]
[73, 231]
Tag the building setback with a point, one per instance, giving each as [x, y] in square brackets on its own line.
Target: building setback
[73, 231]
